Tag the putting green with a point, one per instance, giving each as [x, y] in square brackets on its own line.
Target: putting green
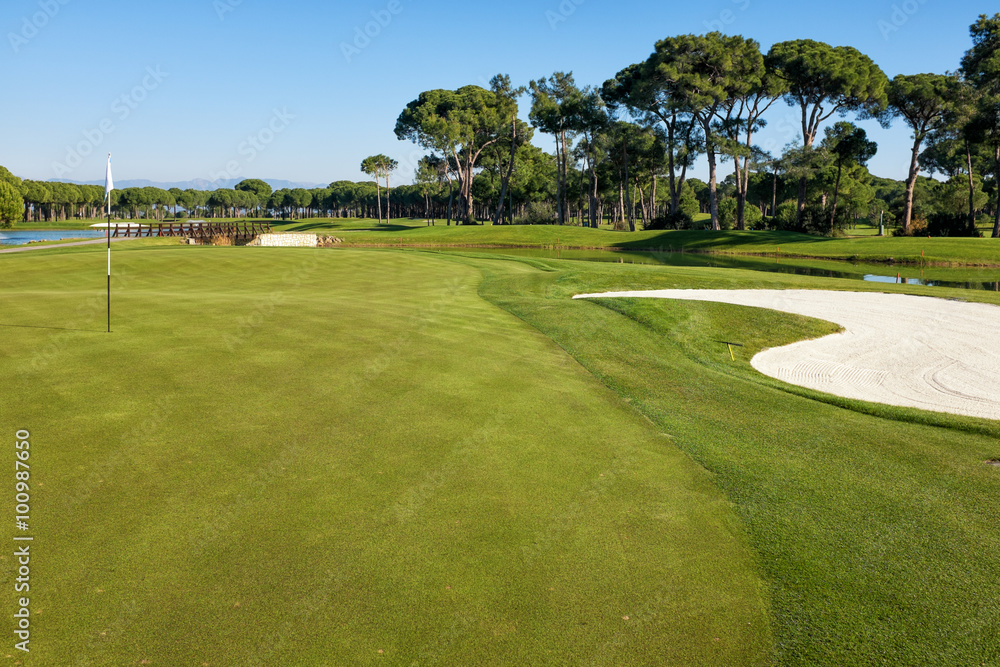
[344, 457]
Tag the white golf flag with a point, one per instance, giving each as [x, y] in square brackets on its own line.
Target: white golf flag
[109, 184]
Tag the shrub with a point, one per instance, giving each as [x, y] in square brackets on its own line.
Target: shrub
[538, 213]
[727, 213]
[950, 224]
[678, 220]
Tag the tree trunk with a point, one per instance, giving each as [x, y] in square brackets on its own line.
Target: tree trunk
[713, 197]
[593, 194]
[996, 179]
[505, 180]
[911, 180]
[563, 190]
[451, 197]
[972, 187]
[468, 205]
[836, 193]
[774, 195]
[387, 198]
[378, 198]
[628, 190]
[675, 194]
[652, 205]
[559, 201]
[620, 214]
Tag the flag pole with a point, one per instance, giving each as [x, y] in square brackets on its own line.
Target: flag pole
[108, 187]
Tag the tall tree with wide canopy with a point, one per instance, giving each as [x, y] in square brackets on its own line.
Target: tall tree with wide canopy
[260, 189]
[653, 98]
[378, 166]
[458, 124]
[705, 71]
[589, 118]
[824, 80]
[741, 115]
[981, 67]
[517, 134]
[961, 147]
[925, 102]
[553, 102]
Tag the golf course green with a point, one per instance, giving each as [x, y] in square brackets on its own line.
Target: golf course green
[378, 456]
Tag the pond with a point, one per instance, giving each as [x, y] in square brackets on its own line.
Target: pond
[8, 237]
[961, 278]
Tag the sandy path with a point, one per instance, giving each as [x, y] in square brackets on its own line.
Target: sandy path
[897, 349]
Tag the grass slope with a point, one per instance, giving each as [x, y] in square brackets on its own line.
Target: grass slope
[945, 251]
[875, 526]
[407, 232]
[297, 456]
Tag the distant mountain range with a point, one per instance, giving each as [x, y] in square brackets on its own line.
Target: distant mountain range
[197, 184]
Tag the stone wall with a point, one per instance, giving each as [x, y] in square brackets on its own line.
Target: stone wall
[287, 240]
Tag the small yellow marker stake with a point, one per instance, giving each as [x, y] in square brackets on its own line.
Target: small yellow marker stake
[731, 351]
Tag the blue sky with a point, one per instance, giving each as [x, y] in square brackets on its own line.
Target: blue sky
[260, 89]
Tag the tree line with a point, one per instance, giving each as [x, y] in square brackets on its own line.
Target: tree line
[625, 150]
[706, 95]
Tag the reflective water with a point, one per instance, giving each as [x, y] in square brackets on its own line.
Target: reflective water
[8, 237]
[961, 278]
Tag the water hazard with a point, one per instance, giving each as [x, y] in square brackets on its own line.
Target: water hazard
[961, 278]
[9, 238]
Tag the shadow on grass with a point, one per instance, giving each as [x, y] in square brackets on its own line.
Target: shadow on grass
[29, 326]
[346, 227]
[717, 240]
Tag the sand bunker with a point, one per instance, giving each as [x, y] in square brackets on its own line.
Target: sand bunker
[897, 349]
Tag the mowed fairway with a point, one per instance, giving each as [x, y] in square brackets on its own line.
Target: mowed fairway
[316, 457]
[876, 526]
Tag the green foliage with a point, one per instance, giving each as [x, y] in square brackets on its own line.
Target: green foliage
[538, 213]
[458, 124]
[11, 204]
[825, 80]
[924, 101]
[950, 224]
[678, 220]
[727, 213]
[786, 218]
[261, 190]
[7, 177]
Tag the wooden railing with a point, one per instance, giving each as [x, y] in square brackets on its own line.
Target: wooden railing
[195, 230]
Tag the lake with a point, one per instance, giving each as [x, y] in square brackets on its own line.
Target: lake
[961, 277]
[8, 237]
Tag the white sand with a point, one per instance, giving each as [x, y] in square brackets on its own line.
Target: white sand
[913, 351]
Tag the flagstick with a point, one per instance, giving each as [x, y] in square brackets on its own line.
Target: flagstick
[108, 187]
[109, 263]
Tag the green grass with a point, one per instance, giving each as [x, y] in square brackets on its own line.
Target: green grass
[346, 457]
[940, 251]
[298, 456]
[863, 247]
[875, 526]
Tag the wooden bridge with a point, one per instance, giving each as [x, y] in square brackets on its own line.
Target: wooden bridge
[201, 232]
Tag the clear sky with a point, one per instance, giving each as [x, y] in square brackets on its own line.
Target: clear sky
[262, 89]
